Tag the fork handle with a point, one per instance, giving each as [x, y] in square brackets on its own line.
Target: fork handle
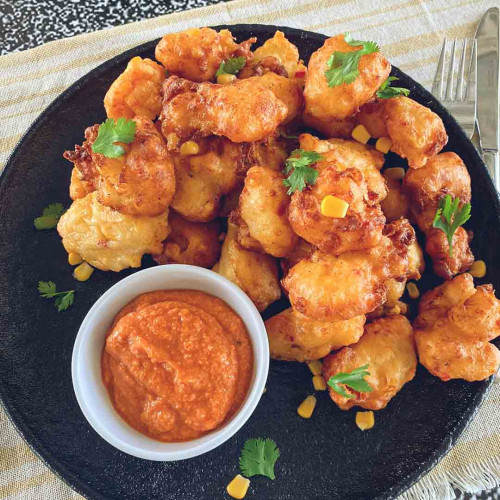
[492, 161]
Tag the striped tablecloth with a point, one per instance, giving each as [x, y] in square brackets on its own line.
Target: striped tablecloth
[410, 33]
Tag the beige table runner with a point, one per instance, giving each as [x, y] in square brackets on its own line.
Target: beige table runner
[410, 33]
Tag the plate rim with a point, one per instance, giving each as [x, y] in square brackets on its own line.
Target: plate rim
[85, 489]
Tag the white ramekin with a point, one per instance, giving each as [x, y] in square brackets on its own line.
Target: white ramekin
[86, 362]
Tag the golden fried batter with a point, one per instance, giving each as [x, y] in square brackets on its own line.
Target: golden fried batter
[196, 53]
[396, 204]
[453, 330]
[107, 239]
[244, 111]
[337, 103]
[416, 132]
[262, 210]
[141, 182]
[331, 128]
[216, 171]
[137, 91]
[371, 116]
[388, 348]
[193, 243]
[329, 288]
[255, 273]
[78, 187]
[295, 337]
[302, 250]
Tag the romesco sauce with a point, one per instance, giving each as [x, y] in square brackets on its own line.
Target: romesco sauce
[177, 364]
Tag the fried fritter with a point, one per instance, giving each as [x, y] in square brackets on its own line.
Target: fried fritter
[416, 132]
[263, 224]
[302, 250]
[396, 204]
[371, 116]
[331, 128]
[388, 348]
[78, 187]
[218, 170]
[329, 288]
[137, 91]
[254, 272]
[337, 103]
[107, 239]
[193, 243]
[141, 182]
[196, 53]
[453, 330]
[361, 227]
[295, 337]
[244, 111]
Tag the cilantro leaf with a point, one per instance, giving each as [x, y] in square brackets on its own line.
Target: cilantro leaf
[386, 91]
[63, 300]
[258, 458]
[450, 216]
[232, 66]
[342, 67]
[50, 216]
[111, 131]
[354, 379]
[298, 170]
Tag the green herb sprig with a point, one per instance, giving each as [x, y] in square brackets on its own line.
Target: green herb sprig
[354, 380]
[387, 92]
[258, 458]
[111, 131]
[47, 290]
[232, 66]
[450, 215]
[50, 216]
[342, 67]
[299, 171]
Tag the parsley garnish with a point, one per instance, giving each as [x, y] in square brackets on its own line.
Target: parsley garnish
[302, 173]
[343, 66]
[386, 91]
[449, 217]
[258, 458]
[232, 66]
[50, 216]
[111, 131]
[47, 290]
[354, 379]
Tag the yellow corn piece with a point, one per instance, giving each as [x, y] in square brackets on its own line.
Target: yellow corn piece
[315, 367]
[365, 420]
[360, 134]
[306, 408]
[74, 259]
[225, 79]
[393, 311]
[331, 206]
[413, 291]
[319, 383]
[238, 487]
[83, 272]
[383, 144]
[397, 173]
[189, 148]
[478, 269]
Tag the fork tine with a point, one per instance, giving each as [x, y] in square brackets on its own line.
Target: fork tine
[470, 93]
[437, 85]
[451, 73]
[460, 81]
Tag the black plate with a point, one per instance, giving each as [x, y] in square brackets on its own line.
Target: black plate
[325, 457]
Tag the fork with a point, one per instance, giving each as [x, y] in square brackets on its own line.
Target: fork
[461, 100]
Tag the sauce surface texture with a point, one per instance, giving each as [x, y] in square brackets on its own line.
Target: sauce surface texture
[177, 364]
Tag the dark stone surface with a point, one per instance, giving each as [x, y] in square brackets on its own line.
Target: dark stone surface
[325, 457]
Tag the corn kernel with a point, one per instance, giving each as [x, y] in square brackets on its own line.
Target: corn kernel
[365, 420]
[83, 272]
[225, 79]
[319, 383]
[383, 144]
[306, 408]
[190, 148]
[331, 206]
[393, 311]
[74, 259]
[478, 269]
[238, 487]
[360, 134]
[315, 367]
[397, 173]
[413, 291]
